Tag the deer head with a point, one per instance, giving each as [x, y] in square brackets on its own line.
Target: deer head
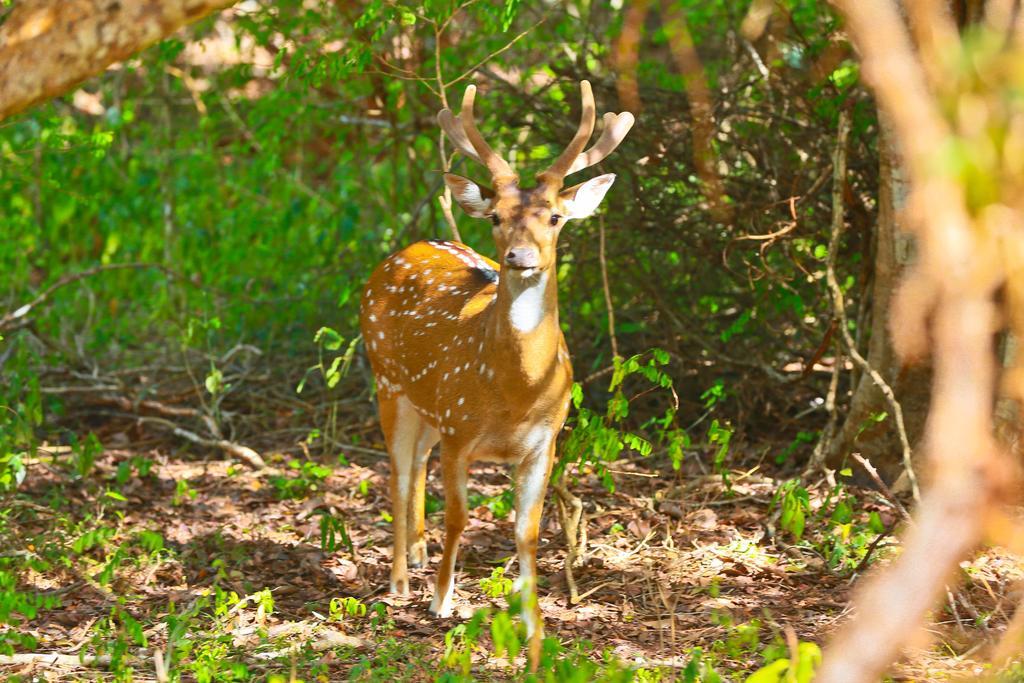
[527, 221]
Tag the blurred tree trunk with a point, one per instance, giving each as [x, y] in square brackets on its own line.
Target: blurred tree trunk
[862, 432]
[49, 46]
[879, 441]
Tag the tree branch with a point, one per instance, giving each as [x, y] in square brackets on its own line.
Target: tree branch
[47, 47]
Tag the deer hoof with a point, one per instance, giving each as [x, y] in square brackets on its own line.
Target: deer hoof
[400, 586]
[441, 607]
[418, 554]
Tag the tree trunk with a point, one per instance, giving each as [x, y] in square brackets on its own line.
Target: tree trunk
[49, 46]
[862, 432]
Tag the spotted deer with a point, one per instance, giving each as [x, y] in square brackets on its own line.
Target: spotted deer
[470, 354]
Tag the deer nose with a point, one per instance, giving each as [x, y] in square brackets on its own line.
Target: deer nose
[521, 257]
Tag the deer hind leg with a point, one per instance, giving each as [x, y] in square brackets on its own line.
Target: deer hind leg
[454, 472]
[403, 429]
[428, 438]
[532, 476]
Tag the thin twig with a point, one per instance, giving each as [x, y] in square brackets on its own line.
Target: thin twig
[607, 288]
[838, 302]
[574, 525]
[882, 486]
[469, 72]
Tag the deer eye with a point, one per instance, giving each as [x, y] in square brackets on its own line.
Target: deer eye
[495, 221]
[555, 218]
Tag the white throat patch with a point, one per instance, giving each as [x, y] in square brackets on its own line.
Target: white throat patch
[528, 303]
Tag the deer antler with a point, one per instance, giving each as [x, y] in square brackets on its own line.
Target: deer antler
[556, 172]
[463, 133]
[452, 127]
[615, 128]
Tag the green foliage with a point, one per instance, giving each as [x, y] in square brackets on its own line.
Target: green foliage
[327, 339]
[795, 503]
[21, 412]
[784, 670]
[347, 607]
[304, 480]
[258, 176]
[557, 663]
[183, 492]
[84, 454]
[500, 504]
[598, 439]
[842, 533]
[332, 530]
[497, 585]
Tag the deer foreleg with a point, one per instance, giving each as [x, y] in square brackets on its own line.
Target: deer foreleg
[454, 472]
[531, 483]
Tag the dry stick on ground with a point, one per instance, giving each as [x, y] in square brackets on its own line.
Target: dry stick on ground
[574, 526]
[960, 269]
[839, 304]
[241, 452]
[48, 46]
[56, 659]
[882, 486]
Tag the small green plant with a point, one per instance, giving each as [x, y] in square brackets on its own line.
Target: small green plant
[380, 618]
[84, 454]
[841, 533]
[332, 529]
[741, 640]
[795, 503]
[21, 412]
[848, 532]
[306, 479]
[183, 492]
[342, 608]
[328, 339]
[496, 585]
[801, 439]
[16, 606]
[598, 439]
[500, 505]
[137, 464]
[798, 669]
[720, 436]
[115, 635]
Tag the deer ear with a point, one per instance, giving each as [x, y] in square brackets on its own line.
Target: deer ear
[474, 199]
[582, 200]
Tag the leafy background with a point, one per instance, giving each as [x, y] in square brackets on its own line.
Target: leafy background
[211, 209]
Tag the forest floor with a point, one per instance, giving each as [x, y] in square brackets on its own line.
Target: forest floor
[679, 569]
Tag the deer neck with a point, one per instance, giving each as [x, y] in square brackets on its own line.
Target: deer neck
[524, 327]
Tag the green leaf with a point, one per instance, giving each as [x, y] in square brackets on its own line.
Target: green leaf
[329, 338]
[772, 673]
